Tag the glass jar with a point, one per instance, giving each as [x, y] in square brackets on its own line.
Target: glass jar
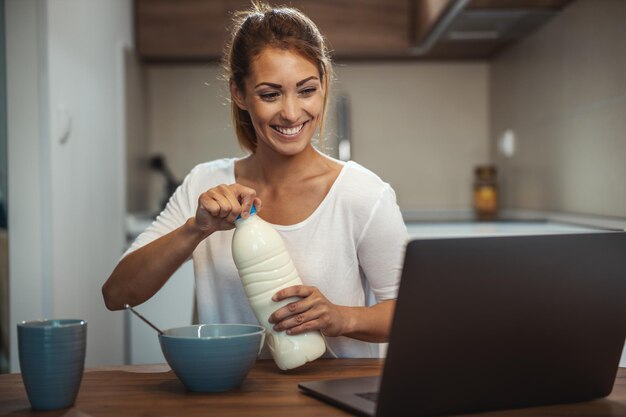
[485, 192]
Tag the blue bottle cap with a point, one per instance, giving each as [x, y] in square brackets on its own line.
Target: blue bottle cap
[252, 211]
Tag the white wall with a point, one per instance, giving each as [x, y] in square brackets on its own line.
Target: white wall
[25, 167]
[137, 145]
[67, 198]
[563, 92]
[188, 117]
[420, 126]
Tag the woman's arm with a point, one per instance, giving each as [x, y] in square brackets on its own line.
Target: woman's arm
[143, 272]
[371, 324]
[314, 312]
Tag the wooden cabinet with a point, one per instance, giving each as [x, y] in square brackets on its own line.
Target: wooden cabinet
[184, 30]
[358, 28]
[191, 30]
[196, 30]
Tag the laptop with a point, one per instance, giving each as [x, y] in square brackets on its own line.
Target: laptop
[496, 323]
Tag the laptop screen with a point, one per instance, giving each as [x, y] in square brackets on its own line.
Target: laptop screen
[504, 322]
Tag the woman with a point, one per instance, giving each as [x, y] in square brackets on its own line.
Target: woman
[340, 222]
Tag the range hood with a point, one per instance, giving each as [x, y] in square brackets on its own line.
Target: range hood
[477, 28]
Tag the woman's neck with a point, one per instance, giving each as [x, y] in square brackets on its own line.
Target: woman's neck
[268, 167]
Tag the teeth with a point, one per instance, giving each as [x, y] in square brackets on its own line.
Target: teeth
[290, 131]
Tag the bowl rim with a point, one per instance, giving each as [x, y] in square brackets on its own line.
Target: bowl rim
[260, 330]
[51, 323]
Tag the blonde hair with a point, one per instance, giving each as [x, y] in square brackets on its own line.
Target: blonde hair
[264, 26]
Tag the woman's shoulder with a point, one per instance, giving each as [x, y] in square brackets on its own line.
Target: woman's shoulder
[361, 180]
[218, 171]
[223, 165]
[207, 175]
[360, 191]
[369, 200]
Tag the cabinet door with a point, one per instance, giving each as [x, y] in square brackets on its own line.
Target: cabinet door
[198, 29]
[362, 28]
[184, 30]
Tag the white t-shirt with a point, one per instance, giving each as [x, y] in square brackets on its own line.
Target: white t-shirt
[352, 243]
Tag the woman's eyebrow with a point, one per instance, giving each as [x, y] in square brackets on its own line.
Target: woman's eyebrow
[278, 86]
[299, 83]
[269, 85]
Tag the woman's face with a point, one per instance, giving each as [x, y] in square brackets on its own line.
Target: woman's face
[284, 97]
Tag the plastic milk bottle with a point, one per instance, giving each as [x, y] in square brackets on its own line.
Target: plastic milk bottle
[265, 267]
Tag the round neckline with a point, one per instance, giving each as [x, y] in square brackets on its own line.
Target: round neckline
[320, 206]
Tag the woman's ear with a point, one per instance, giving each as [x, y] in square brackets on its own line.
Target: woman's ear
[237, 96]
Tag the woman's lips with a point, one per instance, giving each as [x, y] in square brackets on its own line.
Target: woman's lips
[289, 131]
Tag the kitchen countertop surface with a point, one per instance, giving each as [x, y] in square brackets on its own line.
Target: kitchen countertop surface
[497, 228]
[153, 390]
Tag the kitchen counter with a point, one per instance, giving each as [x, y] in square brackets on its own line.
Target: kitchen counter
[460, 223]
[145, 390]
[497, 228]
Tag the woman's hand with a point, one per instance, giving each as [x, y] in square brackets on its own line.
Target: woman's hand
[312, 311]
[219, 207]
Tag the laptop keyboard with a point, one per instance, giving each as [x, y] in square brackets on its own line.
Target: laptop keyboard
[370, 396]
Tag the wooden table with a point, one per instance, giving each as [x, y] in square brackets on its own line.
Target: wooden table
[153, 390]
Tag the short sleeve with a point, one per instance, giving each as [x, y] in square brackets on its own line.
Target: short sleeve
[381, 247]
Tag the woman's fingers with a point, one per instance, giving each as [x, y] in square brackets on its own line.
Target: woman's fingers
[219, 207]
[247, 196]
[315, 318]
[231, 194]
[301, 305]
[218, 204]
[294, 291]
[312, 311]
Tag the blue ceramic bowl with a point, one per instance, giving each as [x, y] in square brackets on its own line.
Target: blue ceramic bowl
[212, 357]
[52, 358]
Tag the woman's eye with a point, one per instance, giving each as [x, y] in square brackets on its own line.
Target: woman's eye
[308, 91]
[268, 96]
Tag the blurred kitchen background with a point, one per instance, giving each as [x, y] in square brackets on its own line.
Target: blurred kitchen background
[105, 105]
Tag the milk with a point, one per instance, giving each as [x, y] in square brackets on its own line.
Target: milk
[265, 267]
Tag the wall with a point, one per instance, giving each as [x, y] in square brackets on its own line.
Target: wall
[65, 58]
[188, 119]
[4, 243]
[421, 127]
[563, 92]
[3, 121]
[25, 166]
[137, 144]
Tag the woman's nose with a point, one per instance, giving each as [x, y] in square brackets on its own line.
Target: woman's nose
[290, 111]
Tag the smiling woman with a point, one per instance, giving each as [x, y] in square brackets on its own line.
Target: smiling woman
[284, 116]
[279, 30]
[340, 222]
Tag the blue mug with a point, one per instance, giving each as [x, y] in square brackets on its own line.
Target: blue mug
[52, 359]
